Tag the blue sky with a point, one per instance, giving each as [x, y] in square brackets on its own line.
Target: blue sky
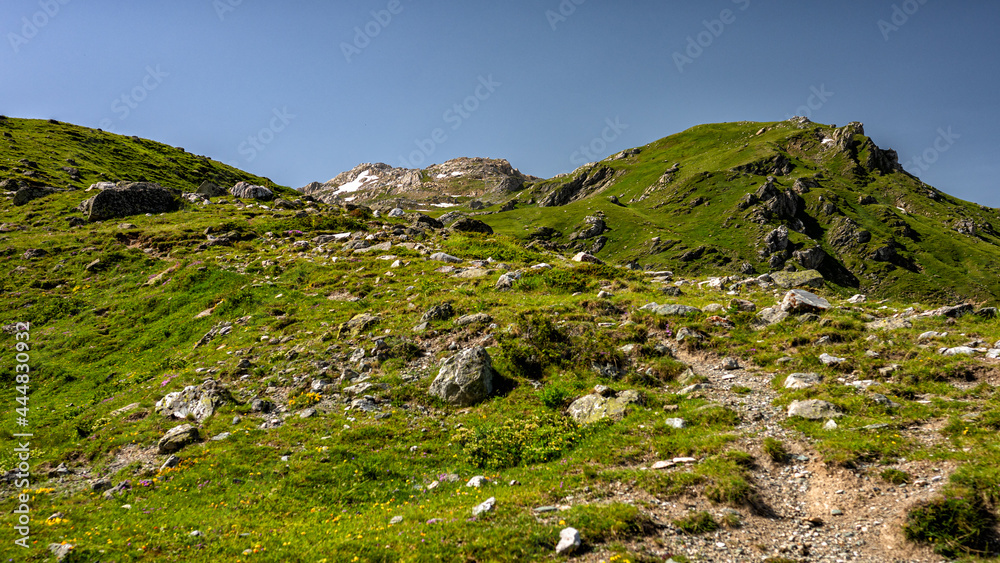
[300, 91]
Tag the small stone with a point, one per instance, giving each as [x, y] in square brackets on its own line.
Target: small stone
[395, 520]
[684, 460]
[569, 541]
[729, 363]
[836, 512]
[487, 505]
[828, 360]
[830, 425]
[663, 465]
[477, 481]
[675, 423]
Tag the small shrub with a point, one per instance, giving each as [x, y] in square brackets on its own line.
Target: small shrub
[697, 523]
[513, 442]
[741, 391]
[775, 449]
[952, 525]
[554, 396]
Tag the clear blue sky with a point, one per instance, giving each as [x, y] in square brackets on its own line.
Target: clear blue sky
[275, 89]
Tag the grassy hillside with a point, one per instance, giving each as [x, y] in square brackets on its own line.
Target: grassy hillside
[356, 460]
[946, 248]
[61, 155]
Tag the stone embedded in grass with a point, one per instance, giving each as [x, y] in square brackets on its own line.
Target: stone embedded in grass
[814, 409]
[959, 351]
[889, 324]
[507, 280]
[443, 257]
[800, 301]
[246, 190]
[61, 550]
[768, 316]
[569, 541]
[477, 482]
[670, 309]
[858, 298]
[177, 438]
[663, 464]
[829, 360]
[475, 318]
[487, 505]
[465, 378]
[199, 402]
[802, 380]
[591, 408]
[395, 520]
[675, 423]
[587, 258]
[134, 198]
[931, 335]
[830, 425]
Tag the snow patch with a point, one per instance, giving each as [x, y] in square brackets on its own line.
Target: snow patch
[444, 204]
[356, 184]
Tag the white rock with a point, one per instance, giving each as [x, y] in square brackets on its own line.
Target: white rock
[830, 425]
[487, 505]
[569, 541]
[829, 360]
[477, 481]
[675, 422]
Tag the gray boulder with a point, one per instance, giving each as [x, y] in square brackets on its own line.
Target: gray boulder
[31, 193]
[591, 408]
[776, 240]
[769, 316]
[474, 318]
[135, 198]
[442, 257]
[811, 258]
[177, 438]
[801, 301]
[441, 312]
[199, 402]
[465, 378]
[814, 409]
[470, 225]
[246, 190]
[593, 226]
[209, 189]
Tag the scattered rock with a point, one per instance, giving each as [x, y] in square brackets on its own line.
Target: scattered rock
[477, 482]
[814, 409]
[888, 324]
[475, 318]
[441, 312]
[470, 225]
[801, 301]
[671, 309]
[828, 360]
[587, 257]
[177, 438]
[802, 380]
[442, 257]
[199, 402]
[675, 423]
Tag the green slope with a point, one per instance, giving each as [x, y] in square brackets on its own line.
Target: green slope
[701, 207]
[46, 153]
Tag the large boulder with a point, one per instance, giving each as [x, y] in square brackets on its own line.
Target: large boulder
[470, 225]
[178, 438]
[810, 258]
[210, 189]
[805, 278]
[246, 190]
[593, 226]
[136, 198]
[594, 407]
[465, 378]
[30, 193]
[200, 402]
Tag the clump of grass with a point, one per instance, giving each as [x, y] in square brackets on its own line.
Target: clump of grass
[895, 476]
[775, 449]
[513, 442]
[609, 522]
[697, 523]
[954, 526]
